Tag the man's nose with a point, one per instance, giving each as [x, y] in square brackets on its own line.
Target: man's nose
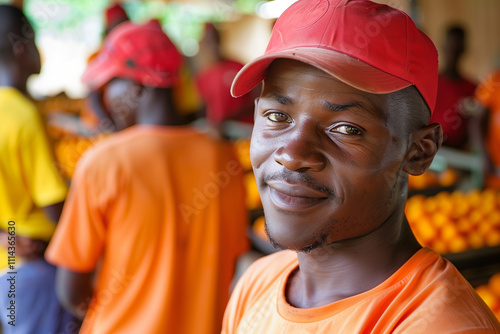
[301, 152]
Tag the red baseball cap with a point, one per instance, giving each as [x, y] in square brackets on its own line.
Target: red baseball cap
[369, 46]
[139, 52]
[115, 14]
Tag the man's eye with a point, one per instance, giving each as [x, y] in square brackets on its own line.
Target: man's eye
[347, 129]
[278, 117]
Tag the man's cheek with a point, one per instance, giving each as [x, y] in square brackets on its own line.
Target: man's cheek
[258, 151]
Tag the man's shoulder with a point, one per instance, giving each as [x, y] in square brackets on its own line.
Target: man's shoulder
[439, 297]
[267, 271]
[108, 148]
[18, 109]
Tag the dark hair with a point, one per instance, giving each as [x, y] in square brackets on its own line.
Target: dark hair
[410, 107]
[14, 28]
[456, 30]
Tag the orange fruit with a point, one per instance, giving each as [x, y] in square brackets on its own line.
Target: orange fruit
[440, 246]
[464, 226]
[493, 218]
[430, 205]
[414, 208]
[253, 198]
[457, 245]
[425, 231]
[449, 232]
[441, 220]
[493, 238]
[417, 182]
[475, 240]
[475, 217]
[242, 147]
[448, 178]
[474, 198]
[494, 284]
[259, 228]
[486, 295]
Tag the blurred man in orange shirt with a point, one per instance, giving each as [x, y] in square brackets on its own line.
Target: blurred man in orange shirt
[157, 210]
[342, 120]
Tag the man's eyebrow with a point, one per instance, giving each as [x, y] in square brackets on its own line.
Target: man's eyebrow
[285, 100]
[342, 107]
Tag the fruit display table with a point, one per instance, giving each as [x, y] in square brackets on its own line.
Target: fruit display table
[457, 221]
[490, 293]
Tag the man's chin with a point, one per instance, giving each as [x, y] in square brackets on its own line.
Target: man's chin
[304, 247]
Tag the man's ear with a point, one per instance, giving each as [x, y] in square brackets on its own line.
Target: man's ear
[426, 141]
[138, 90]
[18, 47]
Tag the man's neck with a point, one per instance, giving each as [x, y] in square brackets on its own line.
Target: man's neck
[341, 270]
[8, 78]
[158, 108]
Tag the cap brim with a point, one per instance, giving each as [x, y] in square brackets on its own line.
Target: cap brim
[98, 73]
[345, 68]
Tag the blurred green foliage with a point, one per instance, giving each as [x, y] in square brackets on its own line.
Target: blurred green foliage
[84, 19]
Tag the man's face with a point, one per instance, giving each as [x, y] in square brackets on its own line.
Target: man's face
[327, 157]
[33, 62]
[31, 56]
[121, 99]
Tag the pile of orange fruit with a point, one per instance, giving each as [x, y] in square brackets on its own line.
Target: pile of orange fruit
[259, 228]
[456, 222]
[431, 179]
[490, 293]
[242, 148]
[69, 150]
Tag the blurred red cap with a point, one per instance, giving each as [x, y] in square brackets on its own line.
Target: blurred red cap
[142, 53]
[115, 14]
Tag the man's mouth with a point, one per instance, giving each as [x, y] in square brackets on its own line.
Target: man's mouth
[294, 197]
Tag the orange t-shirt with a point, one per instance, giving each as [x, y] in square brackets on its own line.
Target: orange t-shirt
[161, 212]
[426, 295]
[488, 94]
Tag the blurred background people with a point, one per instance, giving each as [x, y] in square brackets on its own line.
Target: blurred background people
[214, 75]
[156, 210]
[454, 91]
[32, 192]
[95, 115]
[36, 308]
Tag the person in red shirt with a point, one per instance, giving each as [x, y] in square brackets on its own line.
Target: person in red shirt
[214, 75]
[454, 90]
[349, 87]
[488, 129]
